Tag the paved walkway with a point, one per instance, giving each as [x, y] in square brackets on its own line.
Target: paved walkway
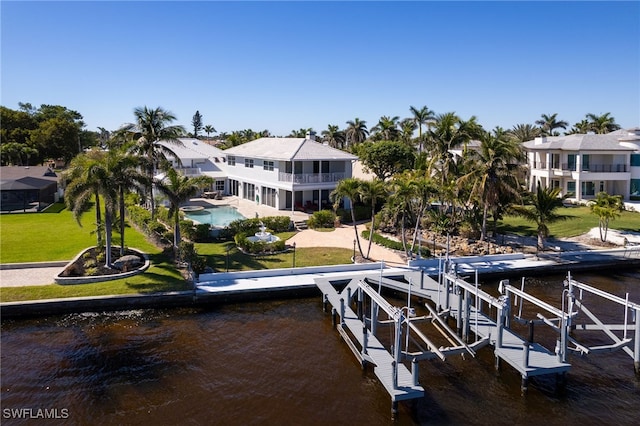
[28, 276]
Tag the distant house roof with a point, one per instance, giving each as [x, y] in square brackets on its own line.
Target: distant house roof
[193, 149]
[288, 149]
[582, 142]
[15, 178]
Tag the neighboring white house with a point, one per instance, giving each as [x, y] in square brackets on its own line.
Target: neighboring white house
[199, 158]
[584, 164]
[287, 173]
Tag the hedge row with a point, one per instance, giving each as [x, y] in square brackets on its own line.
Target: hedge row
[394, 245]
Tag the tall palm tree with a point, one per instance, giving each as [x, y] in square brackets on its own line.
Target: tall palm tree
[524, 132]
[334, 136]
[407, 127]
[602, 123]
[542, 211]
[549, 123]
[348, 188]
[179, 189]
[208, 129]
[356, 132]
[386, 129]
[449, 131]
[126, 175]
[89, 178]
[151, 127]
[422, 116]
[493, 172]
[402, 201]
[582, 127]
[372, 191]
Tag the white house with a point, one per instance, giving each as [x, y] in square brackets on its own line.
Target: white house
[287, 173]
[584, 164]
[199, 158]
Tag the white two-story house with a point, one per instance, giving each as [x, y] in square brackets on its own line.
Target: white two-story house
[287, 173]
[584, 164]
[199, 158]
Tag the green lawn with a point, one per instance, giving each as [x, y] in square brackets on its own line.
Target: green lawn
[57, 236]
[581, 220]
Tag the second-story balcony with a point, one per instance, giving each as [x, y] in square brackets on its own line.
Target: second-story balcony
[597, 168]
[188, 171]
[311, 178]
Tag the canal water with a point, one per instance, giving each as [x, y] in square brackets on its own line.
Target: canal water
[280, 362]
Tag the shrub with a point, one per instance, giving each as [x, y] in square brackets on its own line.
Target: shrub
[91, 271]
[202, 232]
[322, 219]
[90, 263]
[393, 245]
[361, 213]
[187, 229]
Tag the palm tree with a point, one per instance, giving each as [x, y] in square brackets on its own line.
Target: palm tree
[407, 127]
[179, 189]
[542, 211]
[208, 129]
[606, 207]
[524, 132]
[549, 123]
[402, 202]
[449, 132]
[151, 127]
[348, 188]
[581, 127]
[421, 116]
[372, 191]
[89, 178]
[334, 136]
[386, 129]
[493, 172]
[356, 132]
[602, 123]
[126, 176]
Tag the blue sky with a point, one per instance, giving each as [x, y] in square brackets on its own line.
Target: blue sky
[290, 65]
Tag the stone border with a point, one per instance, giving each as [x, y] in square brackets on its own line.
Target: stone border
[101, 278]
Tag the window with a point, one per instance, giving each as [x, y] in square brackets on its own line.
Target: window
[268, 165]
[231, 160]
[588, 188]
[571, 188]
[572, 162]
[635, 160]
[555, 161]
[219, 185]
[555, 183]
[269, 196]
[248, 191]
[635, 188]
[585, 162]
[248, 162]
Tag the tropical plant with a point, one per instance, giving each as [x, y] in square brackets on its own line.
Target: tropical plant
[422, 116]
[356, 132]
[602, 123]
[581, 127]
[372, 191]
[386, 129]
[348, 188]
[548, 123]
[524, 132]
[407, 127]
[179, 189]
[493, 172]
[208, 129]
[542, 211]
[334, 136]
[151, 127]
[386, 158]
[606, 207]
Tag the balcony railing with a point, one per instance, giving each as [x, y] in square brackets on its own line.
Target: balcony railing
[307, 178]
[598, 168]
[189, 171]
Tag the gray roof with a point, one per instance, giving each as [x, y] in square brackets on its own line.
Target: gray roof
[582, 142]
[193, 149]
[17, 172]
[288, 149]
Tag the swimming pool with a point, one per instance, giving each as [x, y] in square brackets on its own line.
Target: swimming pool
[216, 216]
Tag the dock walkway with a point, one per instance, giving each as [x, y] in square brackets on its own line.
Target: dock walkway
[373, 350]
